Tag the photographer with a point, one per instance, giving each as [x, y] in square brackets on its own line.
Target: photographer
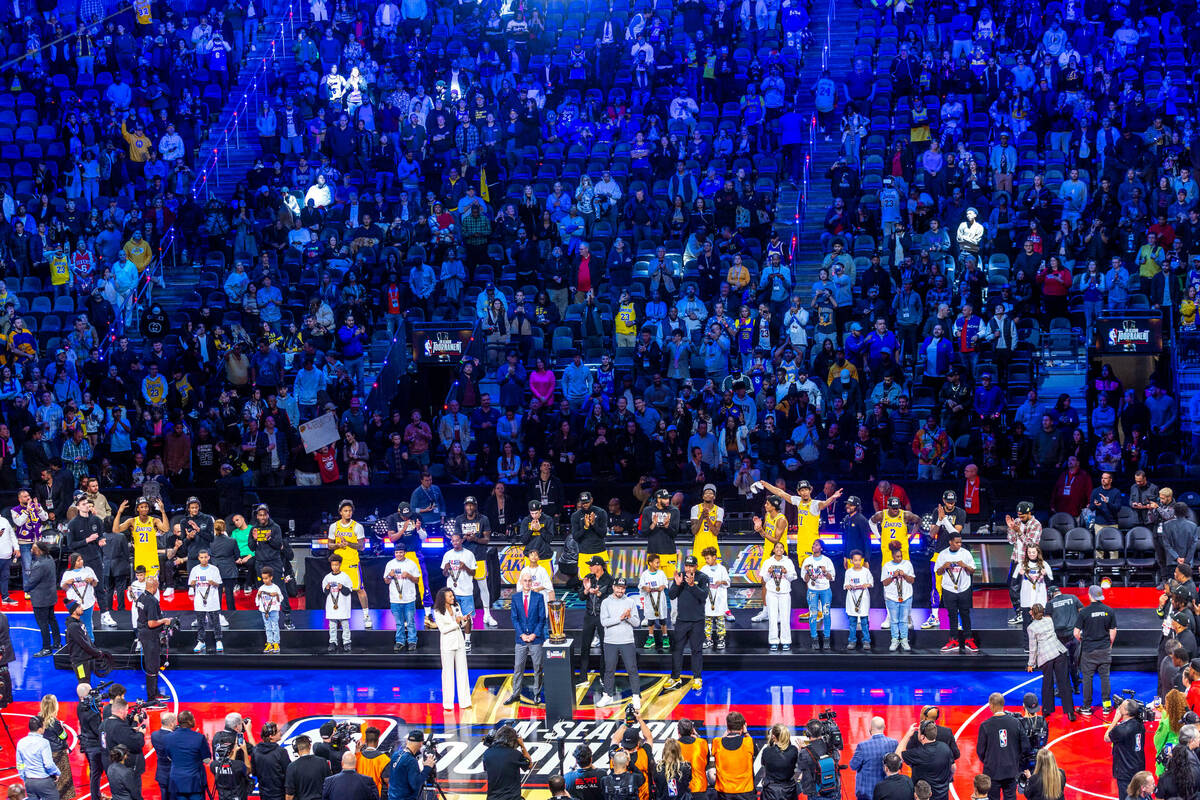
[332, 747]
[621, 783]
[1182, 775]
[930, 759]
[636, 743]
[503, 762]
[231, 779]
[305, 777]
[586, 781]
[149, 623]
[235, 734]
[780, 762]
[818, 765]
[120, 729]
[269, 763]
[1127, 734]
[410, 771]
[79, 645]
[88, 714]
[1036, 731]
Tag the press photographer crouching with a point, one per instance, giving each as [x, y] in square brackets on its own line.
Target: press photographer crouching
[411, 770]
[1127, 734]
[503, 762]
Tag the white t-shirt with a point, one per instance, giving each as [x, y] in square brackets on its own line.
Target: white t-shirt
[1034, 580]
[955, 579]
[337, 604]
[898, 590]
[718, 596]
[75, 582]
[778, 573]
[135, 590]
[268, 598]
[461, 579]
[204, 585]
[541, 581]
[8, 540]
[822, 572]
[648, 582]
[858, 583]
[399, 589]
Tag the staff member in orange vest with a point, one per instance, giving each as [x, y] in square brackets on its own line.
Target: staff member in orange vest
[695, 751]
[637, 746]
[733, 755]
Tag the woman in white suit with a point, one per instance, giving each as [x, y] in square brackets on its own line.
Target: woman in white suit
[449, 621]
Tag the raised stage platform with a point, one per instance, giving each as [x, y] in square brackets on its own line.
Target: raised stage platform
[1001, 645]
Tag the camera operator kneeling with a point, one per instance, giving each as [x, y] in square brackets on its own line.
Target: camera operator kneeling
[818, 764]
[503, 762]
[1127, 733]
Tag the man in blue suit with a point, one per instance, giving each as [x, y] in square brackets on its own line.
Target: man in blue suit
[188, 750]
[529, 622]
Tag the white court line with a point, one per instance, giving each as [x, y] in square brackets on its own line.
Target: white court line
[976, 713]
[1069, 735]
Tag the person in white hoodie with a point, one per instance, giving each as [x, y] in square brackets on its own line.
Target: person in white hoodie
[9, 552]
[619, 617]
[777, 573]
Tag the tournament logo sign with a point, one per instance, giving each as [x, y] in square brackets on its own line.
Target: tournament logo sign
[747, 563]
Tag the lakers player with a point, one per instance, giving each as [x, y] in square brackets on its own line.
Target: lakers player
[894, 524]
[346, 538]
[145, 529]
[808, 522]
[706, 518]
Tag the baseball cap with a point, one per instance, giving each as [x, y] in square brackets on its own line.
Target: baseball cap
[690, 561]
[708, 487]
[1180, 618]
[596, 561]
[949, 497]
[259, 507]
[71, 606]
[620, 582]
[803, 485]
[470, 501]
[416, 736]
[893, 502]
[404, 509]
[1024, 507]
[662, 494]
[535, 505]
[192, 499]
[631, 738]
[1095, 592]
[585, 497]
[1029, 700]
[853, 500]
[775, 501]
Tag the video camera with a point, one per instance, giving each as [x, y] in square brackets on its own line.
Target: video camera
[831, 734]
[630, 715]
[343, 733]
[97, 695]
[1137, 709]
[137, 713]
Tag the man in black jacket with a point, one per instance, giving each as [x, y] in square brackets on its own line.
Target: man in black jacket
[79, 645]
[119, 729]
[810, 765]
[930, 759]
[43, 594]
[999, 745]
[88, 714]
[149, 621]
[269, 762]
[85, 535]
[305, 777]
[689, 592]
[895, 785]
[1064, 609]
[266, 540]
[224, 554]
[597, 585]
[349, 784]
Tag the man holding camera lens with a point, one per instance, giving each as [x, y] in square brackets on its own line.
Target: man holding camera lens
[236, 736]
[333, 745]
[503, 762]
[636, 743]
[410, 771]
[88, 712]
[122, 729]
[1127, 734]
[930, 759]
[818, 765]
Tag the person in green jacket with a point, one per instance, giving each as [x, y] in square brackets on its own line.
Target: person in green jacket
[240, 533]
[1167, 734]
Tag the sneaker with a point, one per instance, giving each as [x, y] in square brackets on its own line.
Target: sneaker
[168, 592]
[105, 619]
[887, 623]
[288, 625]
[584, 680]
[490, 621]
[367, 623]
[220, 647]
[851, 645]
[805, 614]
[894, 646]
[41, 654]
[1106, 709]
[950, 646]
[816, 648]
[636, 700]
[333, 648]
[866, 646]
[931, 622]
[762, 616]
[195, 623]
[774, 648]
[650, 643]
[397, 647]
[1086, 711]
[412, 647]
[346, 647]
[697, 684]
[137, 647]
[595, 645]
[665, 642]
[785, 647]
[8, 601]
[199, 648]
[467, 645]
[676, 683]
[1015, 619]
[708, 644]
[269, 648]
[605, 700]
[970, 645]
[904, 646]
[224, 622]
[720, 644]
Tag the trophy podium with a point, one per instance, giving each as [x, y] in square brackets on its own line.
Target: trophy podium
[558, 681]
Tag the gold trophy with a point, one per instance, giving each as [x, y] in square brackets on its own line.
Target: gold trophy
[556, 610]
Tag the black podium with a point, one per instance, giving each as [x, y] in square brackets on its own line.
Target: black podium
[558, 681]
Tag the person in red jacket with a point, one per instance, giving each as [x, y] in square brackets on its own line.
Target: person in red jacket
[1072, 490]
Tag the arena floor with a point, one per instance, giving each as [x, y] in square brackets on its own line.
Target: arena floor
[397, 700]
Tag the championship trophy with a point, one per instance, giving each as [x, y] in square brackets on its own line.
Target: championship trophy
[556, 610]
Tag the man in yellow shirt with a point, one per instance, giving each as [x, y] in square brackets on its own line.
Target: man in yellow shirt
[60, 272]
[625, 322]
[737, 276]
[139, 146]
[138, 251]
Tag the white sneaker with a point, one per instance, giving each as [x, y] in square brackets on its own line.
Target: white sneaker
[490, 621]
[887, 623]
[605, 700]
[107, 619]
[137, 647]
[637, 702]
[220, 647]
[595, 642]
[367, 621]
[199, 648]
[224, 622]
[760, 616]
[894, 646]
[168, 592]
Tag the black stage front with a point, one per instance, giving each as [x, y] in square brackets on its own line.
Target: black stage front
[1001, 645]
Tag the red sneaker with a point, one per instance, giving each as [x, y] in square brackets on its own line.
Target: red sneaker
[951, 646]
[971, 646]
